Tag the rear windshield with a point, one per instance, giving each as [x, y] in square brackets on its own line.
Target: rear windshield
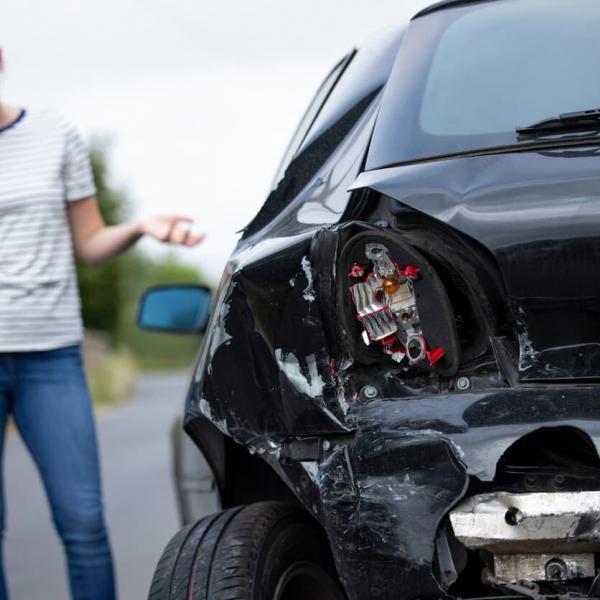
[466, 77]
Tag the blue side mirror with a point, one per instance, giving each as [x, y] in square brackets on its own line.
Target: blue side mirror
[175, 308]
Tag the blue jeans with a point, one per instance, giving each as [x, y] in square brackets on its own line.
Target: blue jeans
[48, 397]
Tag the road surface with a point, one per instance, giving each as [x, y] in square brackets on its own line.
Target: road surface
[138, 490]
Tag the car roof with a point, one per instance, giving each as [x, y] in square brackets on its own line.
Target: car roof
[448, 4]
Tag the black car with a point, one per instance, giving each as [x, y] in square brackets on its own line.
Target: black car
[398, 393]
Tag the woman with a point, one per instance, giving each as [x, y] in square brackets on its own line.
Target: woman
[47, 209]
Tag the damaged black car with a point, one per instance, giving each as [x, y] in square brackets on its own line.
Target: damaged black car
[398, 393]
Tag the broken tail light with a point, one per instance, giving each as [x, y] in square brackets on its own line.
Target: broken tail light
[400, 303]
[386, 306]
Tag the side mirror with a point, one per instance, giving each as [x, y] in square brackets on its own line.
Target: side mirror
[175, 309]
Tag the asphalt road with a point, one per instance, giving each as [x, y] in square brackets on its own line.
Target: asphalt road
[138, 490]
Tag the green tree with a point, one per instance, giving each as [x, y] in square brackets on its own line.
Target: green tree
[101, 287]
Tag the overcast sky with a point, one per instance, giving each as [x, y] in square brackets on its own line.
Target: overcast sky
[200, 98]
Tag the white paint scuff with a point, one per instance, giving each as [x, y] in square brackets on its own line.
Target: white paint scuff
[309, 291]
[206, 410]
[310, 385]
[312, 470]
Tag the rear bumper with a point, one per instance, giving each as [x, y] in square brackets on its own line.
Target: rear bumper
[384, 495]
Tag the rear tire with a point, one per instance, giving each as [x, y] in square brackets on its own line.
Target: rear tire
[263, 551]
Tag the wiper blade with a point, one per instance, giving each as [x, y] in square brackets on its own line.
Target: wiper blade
[572, 121]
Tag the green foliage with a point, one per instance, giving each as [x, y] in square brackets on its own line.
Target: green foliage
[113, 202]
[110, 293]
[101, 287]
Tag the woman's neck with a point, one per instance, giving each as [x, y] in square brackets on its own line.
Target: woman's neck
[8, 114]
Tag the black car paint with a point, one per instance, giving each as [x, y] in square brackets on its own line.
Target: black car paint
[446, 4]
[538, 214]
[279, 371]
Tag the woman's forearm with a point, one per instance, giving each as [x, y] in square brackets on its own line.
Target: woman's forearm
[95, 242]
[109, 241]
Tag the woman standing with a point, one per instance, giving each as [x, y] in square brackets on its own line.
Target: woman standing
[48, 209]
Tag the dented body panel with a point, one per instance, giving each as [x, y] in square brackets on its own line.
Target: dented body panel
[381, 449]
[538, 213]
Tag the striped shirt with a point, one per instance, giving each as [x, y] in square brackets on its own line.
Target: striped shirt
[43, 165]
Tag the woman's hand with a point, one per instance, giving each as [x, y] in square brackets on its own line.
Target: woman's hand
[172, 229]
[95, 242]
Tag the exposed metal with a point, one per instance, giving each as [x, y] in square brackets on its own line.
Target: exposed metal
[463, 384]
[541, 567]
[383, 292]
[369, 392]
[520, 523]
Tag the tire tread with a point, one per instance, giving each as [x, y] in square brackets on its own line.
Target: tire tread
[221, 556]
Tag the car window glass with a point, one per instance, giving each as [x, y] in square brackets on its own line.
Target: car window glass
[309, 116]
[467, 76]
[512, 64]
[368, 71]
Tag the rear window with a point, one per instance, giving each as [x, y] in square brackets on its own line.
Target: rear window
[467, 77]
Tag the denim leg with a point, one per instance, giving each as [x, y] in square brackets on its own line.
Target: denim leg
[6, 384]
[53, 413]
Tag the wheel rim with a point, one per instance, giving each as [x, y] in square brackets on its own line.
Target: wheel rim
[303, 580]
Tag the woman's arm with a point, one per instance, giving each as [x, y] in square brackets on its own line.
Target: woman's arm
[95, 242]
